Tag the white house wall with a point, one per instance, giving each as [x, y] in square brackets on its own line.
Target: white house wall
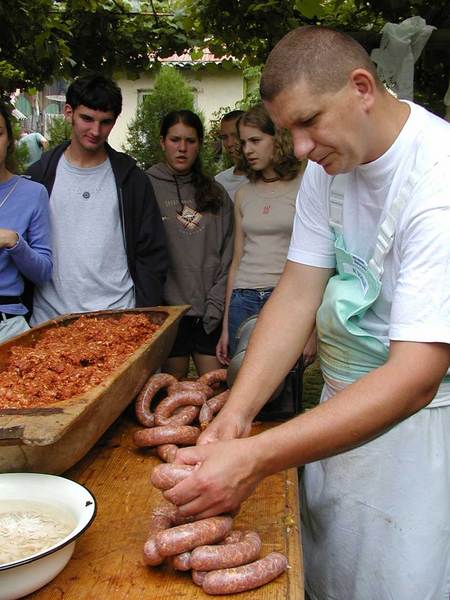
[214, 91]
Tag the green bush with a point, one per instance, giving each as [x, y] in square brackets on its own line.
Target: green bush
[58, 132]
[170, 92]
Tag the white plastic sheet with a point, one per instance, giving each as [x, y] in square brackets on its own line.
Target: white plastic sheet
[400, 47]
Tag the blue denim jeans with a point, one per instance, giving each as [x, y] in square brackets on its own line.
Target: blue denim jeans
[244, 303]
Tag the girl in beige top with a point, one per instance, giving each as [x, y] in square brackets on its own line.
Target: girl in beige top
[264, 211]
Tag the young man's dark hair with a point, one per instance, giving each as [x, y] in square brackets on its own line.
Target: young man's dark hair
[233, 114]
[96, 92]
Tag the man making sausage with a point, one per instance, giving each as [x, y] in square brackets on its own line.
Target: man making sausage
[370, 256]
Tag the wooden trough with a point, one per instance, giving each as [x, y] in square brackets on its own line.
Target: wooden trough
[51, 439]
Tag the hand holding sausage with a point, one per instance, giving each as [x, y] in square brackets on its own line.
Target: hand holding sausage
[222, 481]
[225, 426]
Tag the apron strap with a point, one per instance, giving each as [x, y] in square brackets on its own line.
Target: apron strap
[386, 230]
[336, 203]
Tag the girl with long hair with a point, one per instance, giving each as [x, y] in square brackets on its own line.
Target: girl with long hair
[264, 211]
[198, 219]
[24, 235]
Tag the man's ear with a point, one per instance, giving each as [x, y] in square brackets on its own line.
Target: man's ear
[363, 84]
[68, 113]
[161, 142]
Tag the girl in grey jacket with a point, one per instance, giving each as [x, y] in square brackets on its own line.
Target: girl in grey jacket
[198, 218]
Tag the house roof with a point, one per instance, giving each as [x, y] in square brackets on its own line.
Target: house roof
[185, 60]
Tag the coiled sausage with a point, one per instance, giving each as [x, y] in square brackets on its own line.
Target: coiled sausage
[190, 535]
[184, 415]
[143, 401]
[211, 407]
[167, 406]
[216, 376]
[190, 386]
[165, 476]
[246, 577]
[209, 558]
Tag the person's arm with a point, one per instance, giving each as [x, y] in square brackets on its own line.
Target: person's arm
[151, 258]
[222, 346]
[216, 295]
[406, 383]
[282, 330]
[33, 256]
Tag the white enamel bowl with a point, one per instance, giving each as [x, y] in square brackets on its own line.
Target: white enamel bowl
[29, 574]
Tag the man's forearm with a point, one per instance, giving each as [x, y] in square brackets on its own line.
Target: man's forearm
[357, 414]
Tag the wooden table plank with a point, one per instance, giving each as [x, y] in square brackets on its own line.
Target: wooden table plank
[107, 562]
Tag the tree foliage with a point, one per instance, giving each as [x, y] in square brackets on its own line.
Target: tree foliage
[41, 40]
[170, 92]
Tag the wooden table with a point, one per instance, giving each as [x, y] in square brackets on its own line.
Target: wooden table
[107, 563]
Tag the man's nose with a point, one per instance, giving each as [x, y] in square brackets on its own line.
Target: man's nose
[182, 145]
[303, 144]
[95, 128]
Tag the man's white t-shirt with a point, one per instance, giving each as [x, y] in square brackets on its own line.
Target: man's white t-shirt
[414, 302]
[230, 181]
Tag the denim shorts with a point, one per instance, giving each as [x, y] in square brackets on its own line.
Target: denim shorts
[244, 303]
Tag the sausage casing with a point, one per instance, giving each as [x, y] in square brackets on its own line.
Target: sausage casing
[170, 434]
[246, 577]
[209, 558]
[190, 535]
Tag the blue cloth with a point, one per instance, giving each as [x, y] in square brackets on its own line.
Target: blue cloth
[244, 303]
[25, 212]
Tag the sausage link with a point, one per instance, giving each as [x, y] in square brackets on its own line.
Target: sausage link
[216, 376]
[211, 407]
[190, 386]
[184, 415]
[181, 562]
[177, 434]
[166, 475]
[210, 558]
[167, 406]
[146, 395]
[186, 537]
[233, 537]
[198, 577]
[167, 452]
[246, 577]
[160, 520]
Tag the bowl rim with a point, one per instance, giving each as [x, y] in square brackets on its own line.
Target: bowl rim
[69, 539]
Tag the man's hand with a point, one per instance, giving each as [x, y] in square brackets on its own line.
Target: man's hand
[221, 483]
[225, 427]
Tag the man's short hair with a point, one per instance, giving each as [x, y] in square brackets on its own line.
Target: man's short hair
[321, 56]
[96, 92]
[233, 114]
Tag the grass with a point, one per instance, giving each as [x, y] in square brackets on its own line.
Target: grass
[312, 385]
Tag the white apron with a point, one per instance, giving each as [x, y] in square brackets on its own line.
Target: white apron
[376, 519]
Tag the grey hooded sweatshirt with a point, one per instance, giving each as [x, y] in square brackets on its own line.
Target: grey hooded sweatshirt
[200, 246]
